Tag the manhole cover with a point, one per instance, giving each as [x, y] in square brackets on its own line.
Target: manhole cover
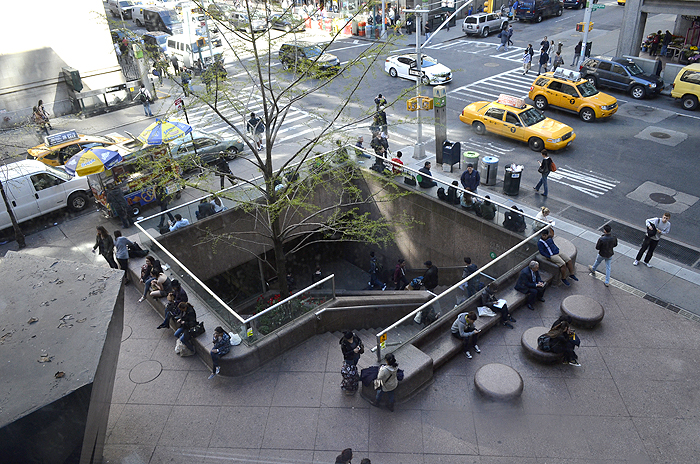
[662, 198]
[491, 65]
[145, 371]
[660, 135]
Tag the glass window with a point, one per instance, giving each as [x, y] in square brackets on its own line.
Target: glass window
[691, 76]
[531, 117]
[603, 66]
[569, 90]
[587, 89]
[495, 113]
[44, 180]
[617, 69]
[512, 119]
[555, 85]
[541, 82]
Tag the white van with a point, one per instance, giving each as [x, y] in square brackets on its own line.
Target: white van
[187, 52]
[33, 189]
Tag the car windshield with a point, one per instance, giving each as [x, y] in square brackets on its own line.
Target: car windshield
[312, 52]
[126, 3]
[169, 17]
[587, 89]
[59, 173]
[427, 61]
[531, 117]
[526, 4]
[470, 20]
[634, 69]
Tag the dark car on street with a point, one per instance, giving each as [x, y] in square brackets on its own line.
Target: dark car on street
[575, 4]
[536, 10]
[209, 147]
[622, 74]
[311, 57]
[287, 22]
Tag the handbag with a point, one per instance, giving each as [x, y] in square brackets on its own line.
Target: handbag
[197, 330]
[377, 384]
[651, 233]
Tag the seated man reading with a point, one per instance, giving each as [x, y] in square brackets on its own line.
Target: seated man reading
[550, 250]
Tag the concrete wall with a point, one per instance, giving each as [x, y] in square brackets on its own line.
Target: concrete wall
[37, 39]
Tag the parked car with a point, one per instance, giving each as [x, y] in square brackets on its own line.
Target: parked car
[483, 24]
[156, 42]
[306, 56]
[536, 10]
[566, 89]
[34, 189]
[241, 21]
[287, 22]
[432, 72]
[209, 147]
[59, 147]
[512, 118]
[622, 74]
[121, 8]
[575, 4]
[686, 86]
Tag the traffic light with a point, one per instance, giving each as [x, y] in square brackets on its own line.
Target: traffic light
[73, 79]
[201, 42]
[579, 26]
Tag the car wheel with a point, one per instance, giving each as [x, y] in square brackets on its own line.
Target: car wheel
[592, 80]
[485, 32]
[587, 115]
[539, 18]
[287, 29]
[231, 154]
[135, 210]
[479, 128]
[690, 102]
[393, 73]
[541, 103]
[637, 92]
[77, 201]
[425, 80]
[138, 23]
[536, 144]
[178, 195]
[560, 11]
[579, 6]
[285, 65]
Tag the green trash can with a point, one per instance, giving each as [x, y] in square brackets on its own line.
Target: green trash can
[471, 157]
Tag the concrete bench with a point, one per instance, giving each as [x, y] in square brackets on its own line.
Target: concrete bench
[529, 344]
[497, 381]
[566, 247]
[585, 312]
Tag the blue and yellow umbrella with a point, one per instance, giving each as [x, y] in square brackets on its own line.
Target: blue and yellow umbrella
[91, 161]
[161, 132]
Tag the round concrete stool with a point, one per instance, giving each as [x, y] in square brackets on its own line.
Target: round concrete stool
[498, 382]
[529, 343]
[585, 312]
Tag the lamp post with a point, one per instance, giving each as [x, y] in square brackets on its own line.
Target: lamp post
[419, 149]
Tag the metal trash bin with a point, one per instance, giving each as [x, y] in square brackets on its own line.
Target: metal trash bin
[511, 180]
[488, 170]
[471, 157]
[450, 154]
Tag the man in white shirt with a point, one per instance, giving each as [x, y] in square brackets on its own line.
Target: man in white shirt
[179, 223]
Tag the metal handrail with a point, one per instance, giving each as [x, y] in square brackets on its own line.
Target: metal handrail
[292, 297]
[454, 287]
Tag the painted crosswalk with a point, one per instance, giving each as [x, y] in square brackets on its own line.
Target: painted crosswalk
[511, 82]
[478, 47]
[588, 182]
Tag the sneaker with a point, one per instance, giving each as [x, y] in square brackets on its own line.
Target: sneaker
[476, 348]
[635, 262]
[508, 324]
[607, 284]
[574, 277]
[141, 299]
[590, 270]
[574, 363]
[161, 326]
[648, 265]
[565, 282]
[384, 287]
[468, 354]
[511, 319]
[218, 369]
[211, 376]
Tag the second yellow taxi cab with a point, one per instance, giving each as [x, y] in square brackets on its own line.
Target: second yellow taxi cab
[59, 147]
[566, 89]
[511, 117]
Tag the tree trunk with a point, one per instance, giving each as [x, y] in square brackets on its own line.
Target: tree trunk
[280, 258]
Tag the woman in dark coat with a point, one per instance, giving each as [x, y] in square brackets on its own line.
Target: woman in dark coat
[105, 243]
[352, 348]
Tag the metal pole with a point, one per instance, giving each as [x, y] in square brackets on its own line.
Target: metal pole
[419, 150]
[383, 19]
[586, 23]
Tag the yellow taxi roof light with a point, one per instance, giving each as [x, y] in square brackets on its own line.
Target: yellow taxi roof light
[567, 74]
[511, 101]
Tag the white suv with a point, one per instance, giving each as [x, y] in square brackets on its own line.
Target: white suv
[484, 23]
[121, 8]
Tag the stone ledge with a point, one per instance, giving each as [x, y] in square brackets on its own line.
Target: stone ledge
[585, 312]
[529, 344]
[498, 382]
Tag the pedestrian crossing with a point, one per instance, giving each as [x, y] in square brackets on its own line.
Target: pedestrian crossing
[592, 184]
[477, 47]
[509, 82]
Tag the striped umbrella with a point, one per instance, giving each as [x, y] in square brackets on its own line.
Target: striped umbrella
[161, 132]
[91, 161]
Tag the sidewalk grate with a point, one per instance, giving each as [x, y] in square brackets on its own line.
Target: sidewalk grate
[666, 248]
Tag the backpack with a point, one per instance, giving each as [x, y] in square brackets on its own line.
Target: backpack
[142, 97]
[553, 167]
[441, 194]
[544, 342]
[399, 375]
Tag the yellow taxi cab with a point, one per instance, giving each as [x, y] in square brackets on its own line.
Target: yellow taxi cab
[511, 117]
[621, 2]
[58, 148]
[566, 89]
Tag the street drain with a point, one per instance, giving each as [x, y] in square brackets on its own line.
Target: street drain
[660, 135]
[662, 198]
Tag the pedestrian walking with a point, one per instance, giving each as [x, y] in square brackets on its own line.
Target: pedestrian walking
[374, 281]
[39, 121]
[656, 227]
[121, 244]
[344, 457]
[544, 45]
[544, 58]
[105, 245]
[430, 278]
[44, 114]
[527, 61]
[185, 78]
[510, 35]
[222, 345]
[577, 53]
[503, 35]
[604, 245]
[428, 30]
[544, 170]
[255, 128]
[175, 63]
[118, 204]
[224, 170]
[558, 61]
[667, 40]
[470, 179]
[162, 198]
[655, 43]
[386, 382]
[400, 280]
[145, 98]
[550, 53]
[381, 120]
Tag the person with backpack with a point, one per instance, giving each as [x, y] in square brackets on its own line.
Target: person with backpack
[561, 339]
[546, 166]
[255, 127]
[145, 98]
[387, 381]
[656, 227]
[558, 61]
[487, 209]
[503, 35]
[122, 254]
[400, 280]
[374, 281]
[577, 53]
[463, 329]
[527, 60]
